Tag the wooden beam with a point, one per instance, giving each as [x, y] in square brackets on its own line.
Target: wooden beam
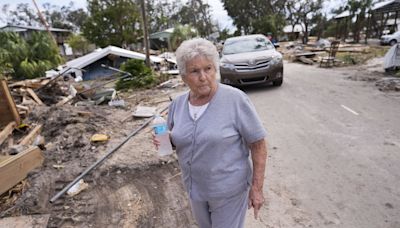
[27, 140]
[15, 168]
[6, 132]
[34, 96]
[8, 110]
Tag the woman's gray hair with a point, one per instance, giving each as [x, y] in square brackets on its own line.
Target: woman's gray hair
[193, 48]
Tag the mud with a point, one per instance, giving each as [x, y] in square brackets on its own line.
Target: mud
[373, 71]
[124, 197]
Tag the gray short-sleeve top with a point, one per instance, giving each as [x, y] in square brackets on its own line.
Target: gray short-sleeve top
[213, 151]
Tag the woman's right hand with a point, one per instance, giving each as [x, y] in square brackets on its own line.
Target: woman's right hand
[156, 143]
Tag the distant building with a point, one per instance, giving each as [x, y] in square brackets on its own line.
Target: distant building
[60, 35]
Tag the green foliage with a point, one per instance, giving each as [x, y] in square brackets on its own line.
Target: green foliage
[78, 43]
[112, 22]
[180, 34]
[269, 24]
[142, 76]
[27, 58]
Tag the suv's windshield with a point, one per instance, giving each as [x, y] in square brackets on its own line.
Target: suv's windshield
[250, 44]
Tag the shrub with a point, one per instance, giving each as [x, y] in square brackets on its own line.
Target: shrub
[142, 76]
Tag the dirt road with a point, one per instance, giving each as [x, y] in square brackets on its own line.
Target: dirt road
[334, 150]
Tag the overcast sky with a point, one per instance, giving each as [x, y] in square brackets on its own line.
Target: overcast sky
[217, 9]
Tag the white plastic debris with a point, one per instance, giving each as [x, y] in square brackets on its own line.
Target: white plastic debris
[77, 188]
[143, 111]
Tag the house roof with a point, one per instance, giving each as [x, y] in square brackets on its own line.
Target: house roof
[381, 5]
[100, 53]
[23, 28]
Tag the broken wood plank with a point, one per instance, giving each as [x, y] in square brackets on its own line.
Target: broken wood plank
[34, 96]
[27, 140]
[6, 132]
[64, 100]
[8, 110]
[305, 60]
[35, 221]
[34, 84]
[23, 108]
[15, 168]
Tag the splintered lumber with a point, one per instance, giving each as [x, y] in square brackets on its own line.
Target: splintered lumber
[34, 84]
[64, 100]
[8, 110]
[6, 132]
[305, 60]
[15, 168]
[23, 108]
[28, 139]
[37, 221]
[34, 96]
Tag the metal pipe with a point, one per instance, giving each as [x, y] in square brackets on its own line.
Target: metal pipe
[98, 162]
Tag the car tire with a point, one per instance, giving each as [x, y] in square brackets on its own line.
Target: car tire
[278, 82]
[392, 42]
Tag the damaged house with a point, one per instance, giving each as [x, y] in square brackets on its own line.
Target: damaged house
[89, 67]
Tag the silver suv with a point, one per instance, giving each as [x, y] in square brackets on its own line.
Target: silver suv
[391, 39]
[250, 59]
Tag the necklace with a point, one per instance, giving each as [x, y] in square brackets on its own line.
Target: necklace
[197, 111]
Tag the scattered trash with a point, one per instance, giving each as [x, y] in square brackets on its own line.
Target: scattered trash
[58, 166]
[117, 103]
[143, 111]
[104, 95]
[99, 138]
[77, 188]
[322, 43]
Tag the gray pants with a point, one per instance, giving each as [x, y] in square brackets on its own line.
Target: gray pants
[224, 213]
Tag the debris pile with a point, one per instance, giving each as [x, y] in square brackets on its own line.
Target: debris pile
[389, 84]
[63, 127]
[318, 51]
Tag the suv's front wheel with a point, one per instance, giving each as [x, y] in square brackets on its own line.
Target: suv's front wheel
[392, 42]
[279, 81]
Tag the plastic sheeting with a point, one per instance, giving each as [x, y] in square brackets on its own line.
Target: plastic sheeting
[392, 58]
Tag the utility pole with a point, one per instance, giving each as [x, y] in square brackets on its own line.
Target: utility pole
[145, 33]
[43, 20]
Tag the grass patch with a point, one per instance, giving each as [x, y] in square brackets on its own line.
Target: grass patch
[357, 58]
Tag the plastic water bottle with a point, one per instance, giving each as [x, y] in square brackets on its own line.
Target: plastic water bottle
[161, 132]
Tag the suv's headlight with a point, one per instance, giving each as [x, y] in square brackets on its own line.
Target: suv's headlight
[276, 59]
[229, 66]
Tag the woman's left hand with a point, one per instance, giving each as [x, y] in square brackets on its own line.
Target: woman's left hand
[256, 200]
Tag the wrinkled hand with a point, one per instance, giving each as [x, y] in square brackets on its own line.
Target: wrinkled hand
[256, 200]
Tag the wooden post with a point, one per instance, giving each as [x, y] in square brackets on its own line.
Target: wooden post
[8, 110]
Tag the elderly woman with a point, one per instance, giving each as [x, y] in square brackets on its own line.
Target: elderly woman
[215, 128]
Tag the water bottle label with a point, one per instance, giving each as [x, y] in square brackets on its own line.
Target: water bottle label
[160, 129]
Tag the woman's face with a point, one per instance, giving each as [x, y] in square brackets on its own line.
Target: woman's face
[200, 76]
